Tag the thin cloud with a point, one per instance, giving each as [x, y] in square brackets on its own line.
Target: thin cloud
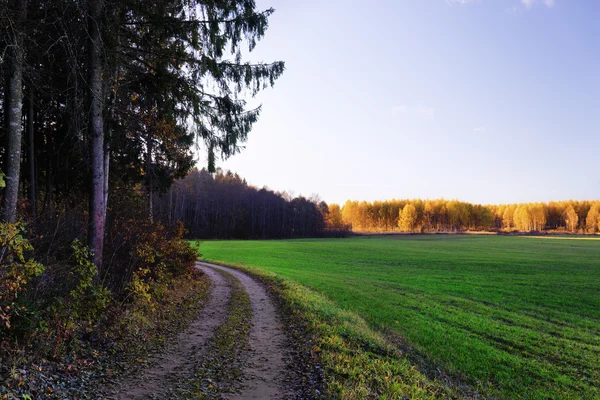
[460, 2]
[530, 3]
[421, 111]
[525, 3]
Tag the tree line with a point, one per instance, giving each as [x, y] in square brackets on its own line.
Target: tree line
[453, 216]
[225, 206]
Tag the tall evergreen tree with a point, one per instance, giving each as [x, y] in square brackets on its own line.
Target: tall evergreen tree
[172, 54]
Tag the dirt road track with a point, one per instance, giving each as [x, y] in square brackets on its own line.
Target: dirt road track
[265, 368]
[177, 362]
[264, 364]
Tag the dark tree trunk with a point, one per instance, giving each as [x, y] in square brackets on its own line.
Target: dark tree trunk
[107, 141]
[97, 209]
[14, 112]
[31, 152]
[3, 133]
[106, 176]
[149, 177]
[170, 206]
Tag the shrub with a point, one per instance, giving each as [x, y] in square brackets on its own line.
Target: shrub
[15, 269]
[141, 252]
[89, 299]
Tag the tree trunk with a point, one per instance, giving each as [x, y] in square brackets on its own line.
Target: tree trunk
[107, 141]
[170, 218]
[31, 153]
[4, 133]
[149, 177]
[97, 209]
[14, 112]
[106, 175]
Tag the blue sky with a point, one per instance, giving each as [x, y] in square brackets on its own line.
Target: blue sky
[487, 101]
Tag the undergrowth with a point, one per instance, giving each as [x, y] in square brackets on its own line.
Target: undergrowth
[93, 363]
[67, 327]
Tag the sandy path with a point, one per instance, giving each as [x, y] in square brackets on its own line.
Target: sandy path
[177, 363]
[266, 366]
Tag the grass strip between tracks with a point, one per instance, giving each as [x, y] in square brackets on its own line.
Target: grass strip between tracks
[221, 370]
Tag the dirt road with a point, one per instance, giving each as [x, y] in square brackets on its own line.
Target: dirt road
[263, 361]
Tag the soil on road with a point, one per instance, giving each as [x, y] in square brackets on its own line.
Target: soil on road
[264, 362]
[265, 366]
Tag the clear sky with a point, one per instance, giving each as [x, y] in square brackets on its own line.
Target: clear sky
[486, 101]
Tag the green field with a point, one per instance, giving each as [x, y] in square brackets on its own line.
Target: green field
[518, 315]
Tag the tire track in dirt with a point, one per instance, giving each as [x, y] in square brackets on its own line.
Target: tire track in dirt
[177, 362]
[265, 366]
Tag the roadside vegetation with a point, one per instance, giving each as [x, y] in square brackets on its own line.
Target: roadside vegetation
[66, 335]
[507, 315]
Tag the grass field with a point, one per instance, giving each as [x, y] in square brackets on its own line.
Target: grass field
[518, 315]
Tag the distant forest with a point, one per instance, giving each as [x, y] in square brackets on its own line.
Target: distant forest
[455, 216]
[223, 205]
